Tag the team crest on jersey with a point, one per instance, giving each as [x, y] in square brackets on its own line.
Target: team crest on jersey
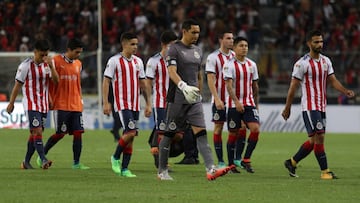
[162, 126]
[319, 125]
[232, 124]
[172, 125]
[47, 70]
[196, 54]
[63, 127]
[216, 116]
[131, 125]
[35, 122]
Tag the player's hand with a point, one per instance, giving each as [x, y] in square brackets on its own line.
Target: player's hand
[191, 93]
[10, 108]
[47, 59]
[286, 113]
[239, 107]
[107, 108]
[219, 104]
[148, 111]
[154, 150]
[350, 93]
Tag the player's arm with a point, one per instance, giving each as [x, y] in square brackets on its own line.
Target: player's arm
[146, 91]
[13, 96]
[255, 88]
[335, 83]
[232, 95]
[211, 79]
[105, 90]
[294, 84]
[54, 73]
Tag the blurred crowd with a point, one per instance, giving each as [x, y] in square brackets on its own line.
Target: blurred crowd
[275, 44]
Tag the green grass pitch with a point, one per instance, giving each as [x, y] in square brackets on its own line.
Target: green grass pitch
[269, 183]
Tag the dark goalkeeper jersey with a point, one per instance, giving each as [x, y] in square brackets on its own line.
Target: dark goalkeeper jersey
[188, 62]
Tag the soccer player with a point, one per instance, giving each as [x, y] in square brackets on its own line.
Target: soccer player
[184, 100]
[241, 78]
[214, 68]
[67, 101]
[313, 72]
[33, 76]
[125, 72]
[158, 78]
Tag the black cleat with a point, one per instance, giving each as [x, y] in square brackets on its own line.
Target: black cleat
[188, 161]
[247, 167]
[25, 165]
[290, 168]
[234, 170]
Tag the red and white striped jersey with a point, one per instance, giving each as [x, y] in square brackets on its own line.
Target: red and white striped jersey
[214, 64]
[125, 74]
[243, 74]
[313, 74]
[35, 79]
[157, 71]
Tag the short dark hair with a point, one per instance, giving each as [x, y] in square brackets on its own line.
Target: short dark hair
[312, 33]
[188, 23]
[127, 36]
[221, 34]
[74, 43]
[168, 36]
[42, 45]
[238, 39]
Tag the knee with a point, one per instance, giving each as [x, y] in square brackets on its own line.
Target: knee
[201, 133]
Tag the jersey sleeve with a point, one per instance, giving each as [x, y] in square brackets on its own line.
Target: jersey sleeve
[150, 68]
[22, 72]
[298, 70]
[330, 66]
[141, 68]
[210, 64]
[110, 68]
[255, 72]
[171, 56]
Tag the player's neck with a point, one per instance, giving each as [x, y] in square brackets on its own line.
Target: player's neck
[224, 50]
[240, 58]
[314, 55]
[185, 42]
[127, 55]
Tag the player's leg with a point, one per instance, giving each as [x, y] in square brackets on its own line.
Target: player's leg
[189, 147]
[234, 123]
[61, 128]
[29, 152]
[76, 128]
[218, 117]
[240, 144]
[128, 119]
[37, 122]
[251, 118]
[116, 125]
[195, 117]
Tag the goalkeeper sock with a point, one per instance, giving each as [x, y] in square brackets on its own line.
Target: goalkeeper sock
[204, 148]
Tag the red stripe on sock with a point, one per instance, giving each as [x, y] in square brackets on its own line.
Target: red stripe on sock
[217, 138]
[231, 139]
[319, 148]
[128, 150]
[307, 145]
[254, 136]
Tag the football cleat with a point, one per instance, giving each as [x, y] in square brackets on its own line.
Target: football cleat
[80, 166]
[115, 165]
[290, 168]
[234, 170]
[25, 165]
[328, 175]
[46, 164]
[214, 173]
[164, 175]
[221, 165]
[238, 163]
[127, 173]
[247, 167]
[38, 162]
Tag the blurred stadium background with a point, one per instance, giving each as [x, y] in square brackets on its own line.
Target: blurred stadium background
[275, 29]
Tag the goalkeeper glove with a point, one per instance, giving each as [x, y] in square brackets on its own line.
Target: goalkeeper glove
[191, 93]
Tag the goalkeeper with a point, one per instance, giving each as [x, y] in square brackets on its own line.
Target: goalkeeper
[184, 100]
